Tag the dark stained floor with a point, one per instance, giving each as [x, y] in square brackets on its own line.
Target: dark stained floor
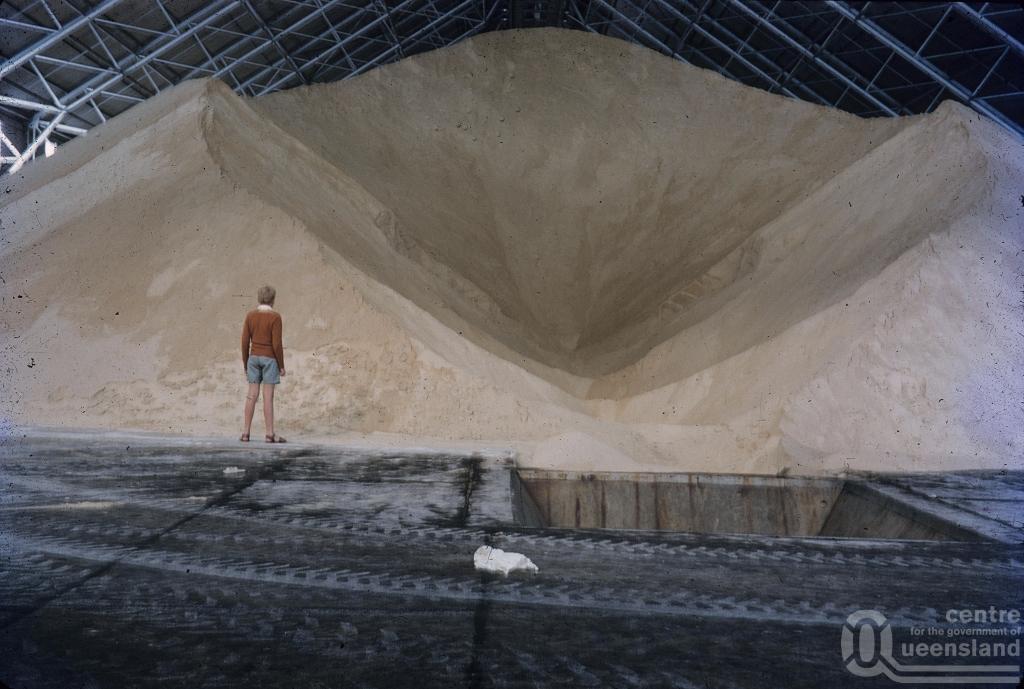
[139, 563]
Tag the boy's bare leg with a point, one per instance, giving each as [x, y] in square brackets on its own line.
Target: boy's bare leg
[250, 404]
[268, 408]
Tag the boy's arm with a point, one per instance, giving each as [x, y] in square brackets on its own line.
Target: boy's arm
[275, 338]
[246, 335]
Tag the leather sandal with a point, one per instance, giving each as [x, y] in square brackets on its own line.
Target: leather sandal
[275, 439]
[244, 438]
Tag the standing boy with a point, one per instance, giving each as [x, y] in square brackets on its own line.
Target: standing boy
[263, 360]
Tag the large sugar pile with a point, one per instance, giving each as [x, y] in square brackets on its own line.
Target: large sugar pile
[544, 237]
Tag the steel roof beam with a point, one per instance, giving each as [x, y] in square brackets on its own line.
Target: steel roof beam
[46, 59]
[224, 52]
[438, 20]
[816, 51]
[816, 59]
[638, 30]
[107, 21]
[31, 148]
[273, 39]
[27, 104]
[585, 23]
[333, 30]
[737, 54]
[593, 27]
[25, 25]
[987, 25]
[209, 13]
[425, 31]
[273, 86]
[55, 37]
[1008, 94]
[925, 66]
[98, 84]
[931, 56]
[34, 99]
[723, 46]
[95, 27]
[284, 32]
[389, 26]
[66, 128]
[693, 24]
[336, 46]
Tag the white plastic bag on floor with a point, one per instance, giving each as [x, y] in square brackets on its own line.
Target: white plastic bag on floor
[488, 559]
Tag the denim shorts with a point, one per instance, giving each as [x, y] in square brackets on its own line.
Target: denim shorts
[263, 369]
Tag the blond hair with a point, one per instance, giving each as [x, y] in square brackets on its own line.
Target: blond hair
[266, 295]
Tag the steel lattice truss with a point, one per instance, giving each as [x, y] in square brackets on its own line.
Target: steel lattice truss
[68, 65]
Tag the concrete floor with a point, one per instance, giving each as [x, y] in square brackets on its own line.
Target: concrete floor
[137, 562]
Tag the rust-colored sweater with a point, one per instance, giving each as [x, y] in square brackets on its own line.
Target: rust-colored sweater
[262, 327]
